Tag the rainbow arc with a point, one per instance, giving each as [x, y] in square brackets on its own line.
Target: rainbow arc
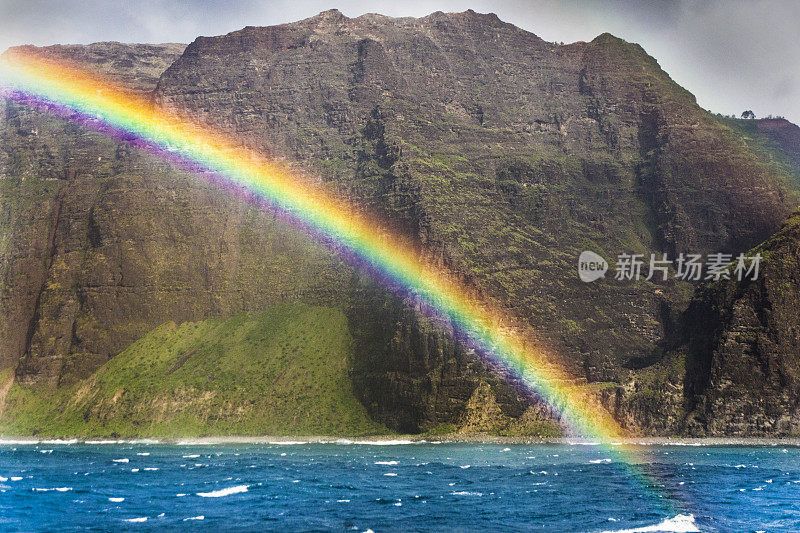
[97, 102]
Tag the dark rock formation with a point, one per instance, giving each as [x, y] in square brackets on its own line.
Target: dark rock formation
[743, 347]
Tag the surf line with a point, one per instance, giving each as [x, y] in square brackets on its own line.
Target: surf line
[99, 104]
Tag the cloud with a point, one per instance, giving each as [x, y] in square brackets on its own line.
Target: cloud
[732, 54]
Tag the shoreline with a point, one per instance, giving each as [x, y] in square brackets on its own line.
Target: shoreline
[394, 440]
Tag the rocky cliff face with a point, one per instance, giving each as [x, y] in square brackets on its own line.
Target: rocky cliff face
[503, 155]
[743, 347]
[135, 66]
[102, 242]
[731, 364]
[775, 139]
[783, 133]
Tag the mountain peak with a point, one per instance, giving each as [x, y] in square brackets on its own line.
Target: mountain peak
[330, 16]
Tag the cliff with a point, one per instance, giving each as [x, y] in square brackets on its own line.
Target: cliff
[775, 139]
[743, 347]
[502, 155]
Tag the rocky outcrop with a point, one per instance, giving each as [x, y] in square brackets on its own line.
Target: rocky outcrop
[784, 134]
[743, 347]
[411, 374]
[775, 139]
[135, 66]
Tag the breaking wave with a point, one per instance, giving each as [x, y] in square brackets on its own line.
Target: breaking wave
[682, 523]
[224, 492]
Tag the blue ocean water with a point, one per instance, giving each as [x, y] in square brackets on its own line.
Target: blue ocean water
[142, 486]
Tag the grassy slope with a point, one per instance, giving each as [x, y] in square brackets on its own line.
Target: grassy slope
[281, 371]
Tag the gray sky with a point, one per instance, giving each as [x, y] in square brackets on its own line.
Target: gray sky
[732, 54]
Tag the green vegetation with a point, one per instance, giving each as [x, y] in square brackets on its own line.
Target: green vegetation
[651, 381]
[277, 372]
[442, 429]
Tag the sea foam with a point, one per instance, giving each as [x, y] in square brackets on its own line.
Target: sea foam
[224, 492]
[681, 523]
[377, 442]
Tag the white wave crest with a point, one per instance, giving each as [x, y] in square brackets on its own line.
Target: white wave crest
[682, 523]
[224, 492]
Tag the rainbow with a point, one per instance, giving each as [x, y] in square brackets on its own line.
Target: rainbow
[29, 78]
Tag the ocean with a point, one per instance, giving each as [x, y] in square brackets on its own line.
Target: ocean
[393, 486]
